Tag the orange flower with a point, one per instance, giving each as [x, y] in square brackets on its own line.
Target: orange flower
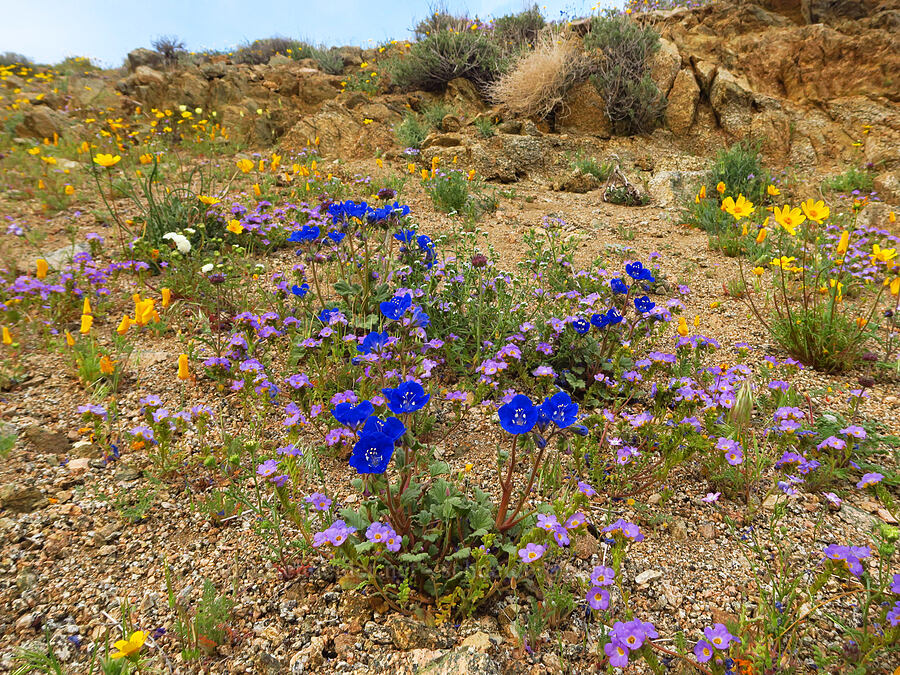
[42, 267]
[166, 296]
[7, 338]
[86, 322]
[107, 365]
[183, 372]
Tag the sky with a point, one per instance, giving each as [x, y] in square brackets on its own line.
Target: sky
[106, 30]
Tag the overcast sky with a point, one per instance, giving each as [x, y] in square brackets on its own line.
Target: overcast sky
[107, 30]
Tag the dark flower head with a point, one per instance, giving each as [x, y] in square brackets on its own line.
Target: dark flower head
[479, 260]
[406, 397]
[350, 415]
[396, 306]
[519, 415]
[372, 453]
[560, 409]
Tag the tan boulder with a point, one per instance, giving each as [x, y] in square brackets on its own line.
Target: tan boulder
[664, 66]
[683, 98]
[732, 100]
[584, 111]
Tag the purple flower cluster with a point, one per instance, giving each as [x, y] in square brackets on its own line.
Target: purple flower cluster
[336, 534]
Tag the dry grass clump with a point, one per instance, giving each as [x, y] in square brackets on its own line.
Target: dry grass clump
[537, 84]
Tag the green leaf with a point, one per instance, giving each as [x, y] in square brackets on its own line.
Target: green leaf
[461, 554]
[414, 557]
[354, 519]
[439, 469]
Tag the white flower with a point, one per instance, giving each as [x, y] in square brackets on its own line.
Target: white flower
[207, 268]
[190, 230]
[181, 242]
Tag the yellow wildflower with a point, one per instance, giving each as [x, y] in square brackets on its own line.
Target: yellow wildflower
[720, 188]
[234, 226]
[69, 190]
[42, 267]
[86, 322]
[789, 218]
[86, 307]
[885, 255]
[106, 160]
[682, 326]
[245, 165]
[761, 235]
[124, 325]
[758, 271]
[166, 296]
[773, 191]
[131, 646]
[844, 243]
[69, 339]
[7, 338]
[816, 211]
[209, 201]
[183, 372]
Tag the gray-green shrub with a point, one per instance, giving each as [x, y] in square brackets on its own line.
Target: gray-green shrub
[634, 103]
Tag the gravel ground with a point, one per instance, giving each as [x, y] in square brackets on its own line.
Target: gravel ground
[70, 561]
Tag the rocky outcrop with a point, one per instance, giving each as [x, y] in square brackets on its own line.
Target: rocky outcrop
[144, 57]
[584, 111]
[664, 66]
[683, 99]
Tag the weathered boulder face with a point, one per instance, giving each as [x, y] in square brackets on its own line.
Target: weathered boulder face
[258, 103]
[732, 100]
[462, 96]
[832, 11]
[664, 66]
[41, 122]
[144, 57]
[584, 111]
[342, 129]
[683, 99]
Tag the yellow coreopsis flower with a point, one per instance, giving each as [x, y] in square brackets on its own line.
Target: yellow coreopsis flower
[49, 160]
[7, 338]
[275, 163]
[424, 174]
[379, 163]
[86, 322]
[861, 322]
[773, 191]
[166, 296]
[816, 211]
[758, 271]
[107, 365]
[245, 165]
[183, 372]
[106, 160]
[209, 201]
[471, 175]
[256, 190]
[234, 226]
[69, 190]
[42, 268]
[682, 326]
[895, 286]
[131, 646]
[844, 243]
[146, 158]
[761, 235]
[789, 218]
[720, 188]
